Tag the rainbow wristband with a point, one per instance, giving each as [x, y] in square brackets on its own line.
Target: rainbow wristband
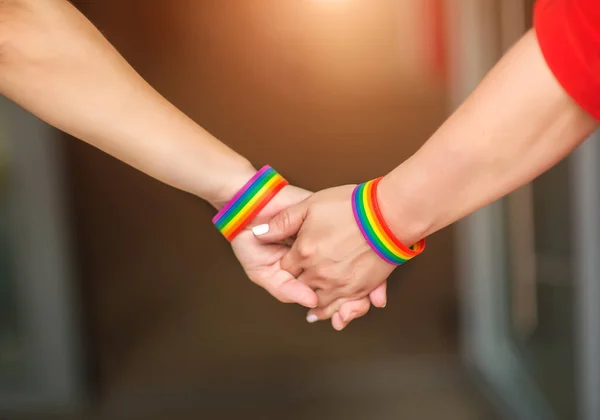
[374, 229]
[248, 202]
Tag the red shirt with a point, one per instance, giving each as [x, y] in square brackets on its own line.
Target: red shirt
[568, 32]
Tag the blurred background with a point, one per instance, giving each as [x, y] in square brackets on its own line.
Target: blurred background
[119, 300]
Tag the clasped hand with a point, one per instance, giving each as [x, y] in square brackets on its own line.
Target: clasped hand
[317, 255]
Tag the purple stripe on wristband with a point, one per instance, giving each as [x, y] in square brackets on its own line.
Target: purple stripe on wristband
[240, 192]
[364, 233]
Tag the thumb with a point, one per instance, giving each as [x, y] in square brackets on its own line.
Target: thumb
[283, 226]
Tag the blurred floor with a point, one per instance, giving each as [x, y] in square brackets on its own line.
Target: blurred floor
[422, 388]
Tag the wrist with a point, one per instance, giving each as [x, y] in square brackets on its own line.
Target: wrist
[229, 182]
[402, 211]
[248, 202]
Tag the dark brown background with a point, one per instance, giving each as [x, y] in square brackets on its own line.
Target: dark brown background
[327, 97]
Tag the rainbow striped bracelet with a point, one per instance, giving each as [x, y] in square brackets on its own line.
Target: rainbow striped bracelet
[374, 229]
[248, 202]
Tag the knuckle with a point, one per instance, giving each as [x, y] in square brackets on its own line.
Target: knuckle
[305, 249]
[323, 272]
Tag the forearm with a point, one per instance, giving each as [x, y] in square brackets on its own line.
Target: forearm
[57, 65]
[517, 124]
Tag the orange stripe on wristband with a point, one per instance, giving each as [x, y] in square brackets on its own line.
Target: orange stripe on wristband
[248, 202]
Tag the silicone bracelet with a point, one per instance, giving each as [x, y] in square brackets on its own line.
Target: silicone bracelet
[374, 229]
[248, 202]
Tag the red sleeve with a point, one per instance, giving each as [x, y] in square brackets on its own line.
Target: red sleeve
[568, 32]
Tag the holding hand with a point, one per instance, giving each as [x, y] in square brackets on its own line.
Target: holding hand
[329, 254]
[262, 263]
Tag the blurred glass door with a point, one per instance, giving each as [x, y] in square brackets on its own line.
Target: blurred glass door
[530, 263]
[530, 270]
[39, 345]
[541, 301]
[11, 345]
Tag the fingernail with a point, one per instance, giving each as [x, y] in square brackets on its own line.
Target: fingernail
[260, 229]
[312, 318]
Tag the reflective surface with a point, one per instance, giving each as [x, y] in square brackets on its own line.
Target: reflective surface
[11, 353]
[546, 348]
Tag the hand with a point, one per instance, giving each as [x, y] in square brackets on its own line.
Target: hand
[329, 254]
[350, 310]
[261, 261]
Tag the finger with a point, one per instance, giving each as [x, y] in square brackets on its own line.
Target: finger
[354, 309]
[326, 297]
[337, 323]
[292, 263]
[284, 287]
[283, 226]
[340, 318]
[313, 281]
[326, 312]
[379, 295]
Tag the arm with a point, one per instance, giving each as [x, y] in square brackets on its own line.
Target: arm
[535, 106]
[517, 124]
[57, 65]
